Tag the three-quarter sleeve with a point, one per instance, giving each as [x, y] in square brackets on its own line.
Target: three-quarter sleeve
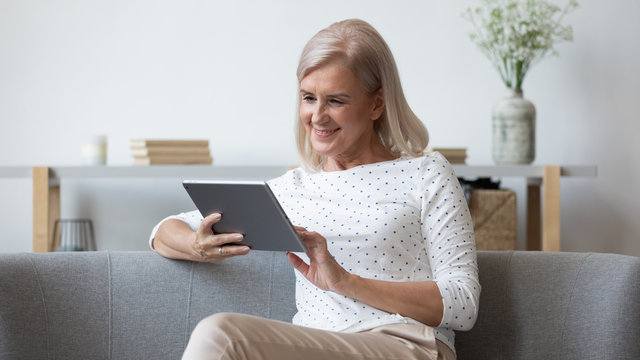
[449, 239]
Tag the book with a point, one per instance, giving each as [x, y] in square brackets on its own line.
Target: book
[170, 151]
[453, 155]
[141, 143]
[460, 152]
[456, 160]
[173, 160]
[150, 151]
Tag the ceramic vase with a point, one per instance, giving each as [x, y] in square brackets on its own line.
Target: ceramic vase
[514, 129]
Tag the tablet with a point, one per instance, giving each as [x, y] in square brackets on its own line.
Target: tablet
[248, 208]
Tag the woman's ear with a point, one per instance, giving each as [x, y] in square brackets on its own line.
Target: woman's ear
[378, 105]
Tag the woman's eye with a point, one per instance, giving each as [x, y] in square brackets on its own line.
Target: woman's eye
[308, 98]
[336, 102]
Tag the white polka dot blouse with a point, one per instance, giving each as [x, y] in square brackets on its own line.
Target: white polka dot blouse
[399, 220]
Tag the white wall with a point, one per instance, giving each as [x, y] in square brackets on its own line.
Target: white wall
[226, 71]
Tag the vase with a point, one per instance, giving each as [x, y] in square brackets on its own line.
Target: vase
[514, 129]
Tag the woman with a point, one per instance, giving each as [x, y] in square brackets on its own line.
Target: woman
[391, 268]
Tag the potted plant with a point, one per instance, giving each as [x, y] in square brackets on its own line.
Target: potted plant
[514, 35]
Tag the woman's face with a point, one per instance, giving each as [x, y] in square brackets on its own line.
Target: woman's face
[338, 114]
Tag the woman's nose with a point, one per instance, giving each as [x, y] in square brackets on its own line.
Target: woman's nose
[319, 114]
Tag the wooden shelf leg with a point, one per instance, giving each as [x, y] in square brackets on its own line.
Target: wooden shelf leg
[551, 209]
[533, 214]
[46, 209]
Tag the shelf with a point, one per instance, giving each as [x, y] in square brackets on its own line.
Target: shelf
[169, 171]
[265, 172]
[9, 172]
[529, 171]
[192, 172]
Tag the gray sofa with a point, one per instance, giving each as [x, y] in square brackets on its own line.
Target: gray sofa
[138, 305]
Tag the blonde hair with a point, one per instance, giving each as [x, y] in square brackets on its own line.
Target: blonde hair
[363, 51]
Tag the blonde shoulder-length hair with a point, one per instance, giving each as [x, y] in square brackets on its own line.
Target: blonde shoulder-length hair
[361, 48]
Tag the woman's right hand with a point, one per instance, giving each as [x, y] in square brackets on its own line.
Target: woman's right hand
[209, 247]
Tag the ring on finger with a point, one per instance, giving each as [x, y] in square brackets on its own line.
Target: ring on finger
[220, 251]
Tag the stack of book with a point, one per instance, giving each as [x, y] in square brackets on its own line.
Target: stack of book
[453, 155]
[152, 152]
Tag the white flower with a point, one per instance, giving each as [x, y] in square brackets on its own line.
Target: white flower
[515, 33]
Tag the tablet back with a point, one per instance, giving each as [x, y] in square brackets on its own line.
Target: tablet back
[249, 208]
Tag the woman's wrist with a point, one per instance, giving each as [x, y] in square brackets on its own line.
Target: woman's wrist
[348, 285]
[175, 240]
[194, 254]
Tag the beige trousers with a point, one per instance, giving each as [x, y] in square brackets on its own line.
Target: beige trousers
[237, 336]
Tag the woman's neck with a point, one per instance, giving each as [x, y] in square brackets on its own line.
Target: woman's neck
[377, 153]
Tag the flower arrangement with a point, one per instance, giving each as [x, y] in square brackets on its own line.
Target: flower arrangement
[514, 34]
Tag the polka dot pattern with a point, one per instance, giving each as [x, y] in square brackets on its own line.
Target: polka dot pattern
[400, 220]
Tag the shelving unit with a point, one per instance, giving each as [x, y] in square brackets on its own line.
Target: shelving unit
[543, 189]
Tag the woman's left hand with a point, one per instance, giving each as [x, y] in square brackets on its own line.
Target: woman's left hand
[323, 270]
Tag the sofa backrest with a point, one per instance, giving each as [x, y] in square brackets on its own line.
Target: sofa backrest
[123, 305]
[538, 305]
[128, 305]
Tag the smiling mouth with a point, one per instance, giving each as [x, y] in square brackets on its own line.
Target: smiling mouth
[325, 133]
